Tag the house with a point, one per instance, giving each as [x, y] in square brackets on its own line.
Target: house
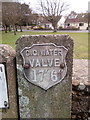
[61, 22]
[46, 24]
[75, 20]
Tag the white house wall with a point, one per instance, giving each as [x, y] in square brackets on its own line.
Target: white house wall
[76, 25]
[49, 25]
[84, 27]
[61, 22]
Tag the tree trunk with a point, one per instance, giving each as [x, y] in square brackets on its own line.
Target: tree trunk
[14, 28]
[55, 27]
[20, 28]
[5, 28]
[9, 28]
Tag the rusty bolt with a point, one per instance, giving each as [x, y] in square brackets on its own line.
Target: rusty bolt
[26, 66]
[62, 65]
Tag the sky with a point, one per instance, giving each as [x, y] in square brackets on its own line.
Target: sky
[75, 5]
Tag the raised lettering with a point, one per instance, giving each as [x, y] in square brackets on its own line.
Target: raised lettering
[51, 51]
[57, 62]
[44, 63]
[54, 76]
[34, 52]
[47, 53]
[50, 62]
[31, 61]
[55, 52]
[41, 72]
[60, 52]
[37, 63]
[27, 53]
[34, 76]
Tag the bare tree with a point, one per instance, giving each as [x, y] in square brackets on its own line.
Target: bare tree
[5, 16]
[9, 15]
[52, 10]
[14, 14]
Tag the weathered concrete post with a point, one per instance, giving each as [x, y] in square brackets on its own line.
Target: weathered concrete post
[8, 97]
[44, 64]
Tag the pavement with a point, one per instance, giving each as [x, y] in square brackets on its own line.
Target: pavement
[81, 69]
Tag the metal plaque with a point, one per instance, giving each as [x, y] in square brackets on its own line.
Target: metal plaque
[3, 88]
[44, 64]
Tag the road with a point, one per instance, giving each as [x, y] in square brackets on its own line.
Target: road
[73, 31]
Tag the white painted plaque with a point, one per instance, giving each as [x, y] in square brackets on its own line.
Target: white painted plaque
[44, 64]
[3, 88]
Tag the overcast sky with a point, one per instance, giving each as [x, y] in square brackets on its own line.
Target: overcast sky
[75, 5]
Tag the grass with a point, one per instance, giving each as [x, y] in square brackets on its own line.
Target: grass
[80, 41]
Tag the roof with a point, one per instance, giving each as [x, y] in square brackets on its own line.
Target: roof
[74, 17]
[44, 20]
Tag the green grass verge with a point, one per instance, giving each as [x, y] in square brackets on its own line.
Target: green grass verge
[80, 41]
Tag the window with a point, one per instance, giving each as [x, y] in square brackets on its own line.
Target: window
[81, 24]
[72, 16]
[68, 24]
[83, 15]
